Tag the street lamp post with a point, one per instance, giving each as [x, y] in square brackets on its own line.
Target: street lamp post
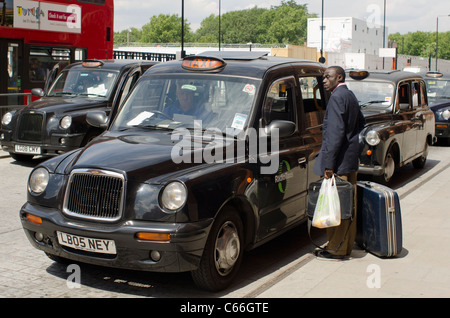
[384, 29]
[437, 33]
[183, 54]
[321, 59]
[219, 23]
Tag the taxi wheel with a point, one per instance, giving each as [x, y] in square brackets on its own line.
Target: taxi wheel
[389, 169]
[23, 158]
[223, 252]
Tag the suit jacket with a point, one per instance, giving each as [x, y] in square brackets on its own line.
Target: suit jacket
[341, 127]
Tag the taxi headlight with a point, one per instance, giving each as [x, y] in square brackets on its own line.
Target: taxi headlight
[6, 120]
[38, 180]
[173, 196]
[65, 122]
[446, 114]
[372, 138]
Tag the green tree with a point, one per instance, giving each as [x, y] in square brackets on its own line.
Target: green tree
[242, 26]
[131, 35]
[165, 28]
[289, 23]
[208, 32]
[422, 44]
[443, 45]
[286, 23]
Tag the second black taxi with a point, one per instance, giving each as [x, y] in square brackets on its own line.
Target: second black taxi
[438, 87]
[399, 124]
[208, 157]
[56, 123]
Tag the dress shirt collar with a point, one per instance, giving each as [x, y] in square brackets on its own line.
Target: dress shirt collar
[340, 84]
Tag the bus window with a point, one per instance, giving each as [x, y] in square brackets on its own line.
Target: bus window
[42, 60]
[14, 81]
[80, 54]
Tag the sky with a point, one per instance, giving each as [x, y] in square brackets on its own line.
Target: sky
[402, 16]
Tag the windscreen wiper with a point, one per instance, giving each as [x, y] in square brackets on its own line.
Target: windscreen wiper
[372, 102]
[152, 126]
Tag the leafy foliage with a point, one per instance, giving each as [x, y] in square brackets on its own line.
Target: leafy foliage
[286, 23]
[423, 44]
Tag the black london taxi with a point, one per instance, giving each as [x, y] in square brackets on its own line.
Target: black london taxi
[438, 88]
[56, 123]
[209, 156]
[399, 123]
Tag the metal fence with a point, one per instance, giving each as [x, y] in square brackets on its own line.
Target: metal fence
[28, 96]
[9, 106]
[158, 57]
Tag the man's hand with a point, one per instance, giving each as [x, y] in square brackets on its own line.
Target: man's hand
[328, 173]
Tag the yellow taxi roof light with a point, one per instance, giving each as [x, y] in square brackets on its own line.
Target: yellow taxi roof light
[358, 74]
[434, 74]
[200, 63]
[92, 63]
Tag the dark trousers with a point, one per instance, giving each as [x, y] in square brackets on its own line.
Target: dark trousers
[342, 237]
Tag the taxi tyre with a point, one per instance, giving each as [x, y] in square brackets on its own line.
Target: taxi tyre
[21, 158]
[223, 253]
[388, 168]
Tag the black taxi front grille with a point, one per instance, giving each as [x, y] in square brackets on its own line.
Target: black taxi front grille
[30, 127]
[94, 194]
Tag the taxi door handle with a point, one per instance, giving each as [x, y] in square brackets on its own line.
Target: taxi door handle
[302, 162]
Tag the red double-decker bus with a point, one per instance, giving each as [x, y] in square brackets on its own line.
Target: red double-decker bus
[36, 35]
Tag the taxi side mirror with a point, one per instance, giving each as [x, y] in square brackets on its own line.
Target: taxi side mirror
[285, 128]
[39, 92]
[97, 119]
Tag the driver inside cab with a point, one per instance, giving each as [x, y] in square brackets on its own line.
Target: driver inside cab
[187, 105]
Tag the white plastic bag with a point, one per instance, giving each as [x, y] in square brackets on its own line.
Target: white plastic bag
[328, 208]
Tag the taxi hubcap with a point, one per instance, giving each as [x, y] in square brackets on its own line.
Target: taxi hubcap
[389, 167]
[227, 248]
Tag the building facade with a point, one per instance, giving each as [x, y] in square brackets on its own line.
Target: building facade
[345, 35]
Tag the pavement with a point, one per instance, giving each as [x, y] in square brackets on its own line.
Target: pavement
[420, 270]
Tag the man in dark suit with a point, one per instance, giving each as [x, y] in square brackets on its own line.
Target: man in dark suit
[339, 153]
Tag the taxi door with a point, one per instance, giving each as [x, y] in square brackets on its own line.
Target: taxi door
[282, 179]
[313, 101]
[420, 116]
[406, 124]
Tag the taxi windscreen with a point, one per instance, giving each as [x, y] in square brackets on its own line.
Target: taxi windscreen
[373, 95]
[89, 83]
[170, 102]
[438, 88]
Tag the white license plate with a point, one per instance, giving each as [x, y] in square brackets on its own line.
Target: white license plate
[89, 244]
[35, 150]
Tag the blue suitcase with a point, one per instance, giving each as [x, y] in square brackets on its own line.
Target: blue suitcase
[379, 219]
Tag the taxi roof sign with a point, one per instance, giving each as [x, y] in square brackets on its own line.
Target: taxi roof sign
[202, 63]
[92, 63]
[358, 74]
[434, 74]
